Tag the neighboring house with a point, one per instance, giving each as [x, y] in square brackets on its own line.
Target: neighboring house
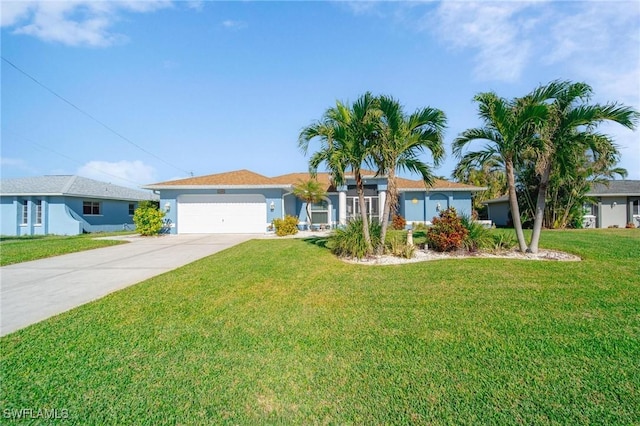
[498, 211]
[246, 202]
[66, 205]
[616, 204]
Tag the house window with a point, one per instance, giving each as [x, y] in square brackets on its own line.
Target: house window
[590, 209]
[25, 212]
[91, 208]
[132, 208]
[320, 212]
[635, 208]
[38, 212]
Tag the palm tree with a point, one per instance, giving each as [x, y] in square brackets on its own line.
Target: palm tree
[509, 128]
[401, 140]
[310, 191]
[570, 125]
[346, 134]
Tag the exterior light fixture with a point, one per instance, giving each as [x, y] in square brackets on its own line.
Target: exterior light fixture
[167, 207]
[272, 206]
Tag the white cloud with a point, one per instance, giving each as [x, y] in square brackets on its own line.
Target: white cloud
[73, 22]
[15, 163]
[495, 31]
[234, 25]
[125, 173]
[197, 5]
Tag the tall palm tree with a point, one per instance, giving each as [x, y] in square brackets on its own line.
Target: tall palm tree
[509, 129]
[310, 191]
[570, 125]
[346, 135]
[401, 141]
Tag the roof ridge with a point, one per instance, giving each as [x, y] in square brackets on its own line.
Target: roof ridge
[69, 184]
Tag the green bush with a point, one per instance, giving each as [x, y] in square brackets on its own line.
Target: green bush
[478, 237]
[286, 226]
[148, 218]
[503, 241]
[397, 246]
[349, 241]
[447, 233]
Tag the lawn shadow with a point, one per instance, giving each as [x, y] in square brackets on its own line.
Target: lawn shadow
[318, 241]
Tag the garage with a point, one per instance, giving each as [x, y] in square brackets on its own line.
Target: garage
[222, 214]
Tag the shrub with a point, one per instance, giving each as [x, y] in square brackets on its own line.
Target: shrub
[349, 241]
[397, 246]
[148, 218]
[419, 227]
[286, 226]
[447, 233]
[478, 237]
[503, 241]
[398, 222]
[630, 225]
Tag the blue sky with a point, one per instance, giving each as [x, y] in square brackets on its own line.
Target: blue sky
[208, 87]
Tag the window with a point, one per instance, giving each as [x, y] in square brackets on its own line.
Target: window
[25, 212]
[91, 208]
[320, 212]
[371, 203]
[132, 208]
[38, 212]
[635, 208]
[590, 209]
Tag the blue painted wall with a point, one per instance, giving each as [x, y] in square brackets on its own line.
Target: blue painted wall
[63, 216]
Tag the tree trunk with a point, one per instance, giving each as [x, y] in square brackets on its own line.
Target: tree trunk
[540, 204]
[363, 212]
[309, 223]
[513, 204]
[386, 210]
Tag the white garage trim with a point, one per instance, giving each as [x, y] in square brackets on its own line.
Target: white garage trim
[221, 214]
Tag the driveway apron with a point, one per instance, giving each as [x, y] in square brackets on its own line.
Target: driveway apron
[34, 291]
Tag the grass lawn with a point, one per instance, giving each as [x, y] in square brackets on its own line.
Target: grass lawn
[26, 248]
[281, 332]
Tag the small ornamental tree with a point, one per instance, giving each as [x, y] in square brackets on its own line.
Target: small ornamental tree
[447, 232]
[310, 191]
[148, 218]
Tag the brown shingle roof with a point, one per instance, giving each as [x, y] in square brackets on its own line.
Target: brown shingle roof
[249, 178]
[294, 178]
[234, 178]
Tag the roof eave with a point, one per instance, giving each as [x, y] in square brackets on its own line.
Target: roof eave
[613, 194]
[159, 187]
[473, 189]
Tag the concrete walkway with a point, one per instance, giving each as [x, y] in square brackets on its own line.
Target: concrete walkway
[34, 291]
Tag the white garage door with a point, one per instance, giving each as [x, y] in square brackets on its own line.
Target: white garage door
[222, 214]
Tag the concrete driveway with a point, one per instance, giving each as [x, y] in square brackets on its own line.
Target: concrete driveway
[34, 291]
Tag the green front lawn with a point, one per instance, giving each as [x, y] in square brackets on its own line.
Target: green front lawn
[27, 248]
[281, 332]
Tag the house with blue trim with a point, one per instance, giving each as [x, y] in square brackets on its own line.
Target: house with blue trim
[243, 201]
[66, 205]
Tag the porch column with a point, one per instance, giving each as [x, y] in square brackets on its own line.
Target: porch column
[382, 197]
[342, 205]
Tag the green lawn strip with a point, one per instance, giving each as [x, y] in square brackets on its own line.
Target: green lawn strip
[279, 331]
[24, 249]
